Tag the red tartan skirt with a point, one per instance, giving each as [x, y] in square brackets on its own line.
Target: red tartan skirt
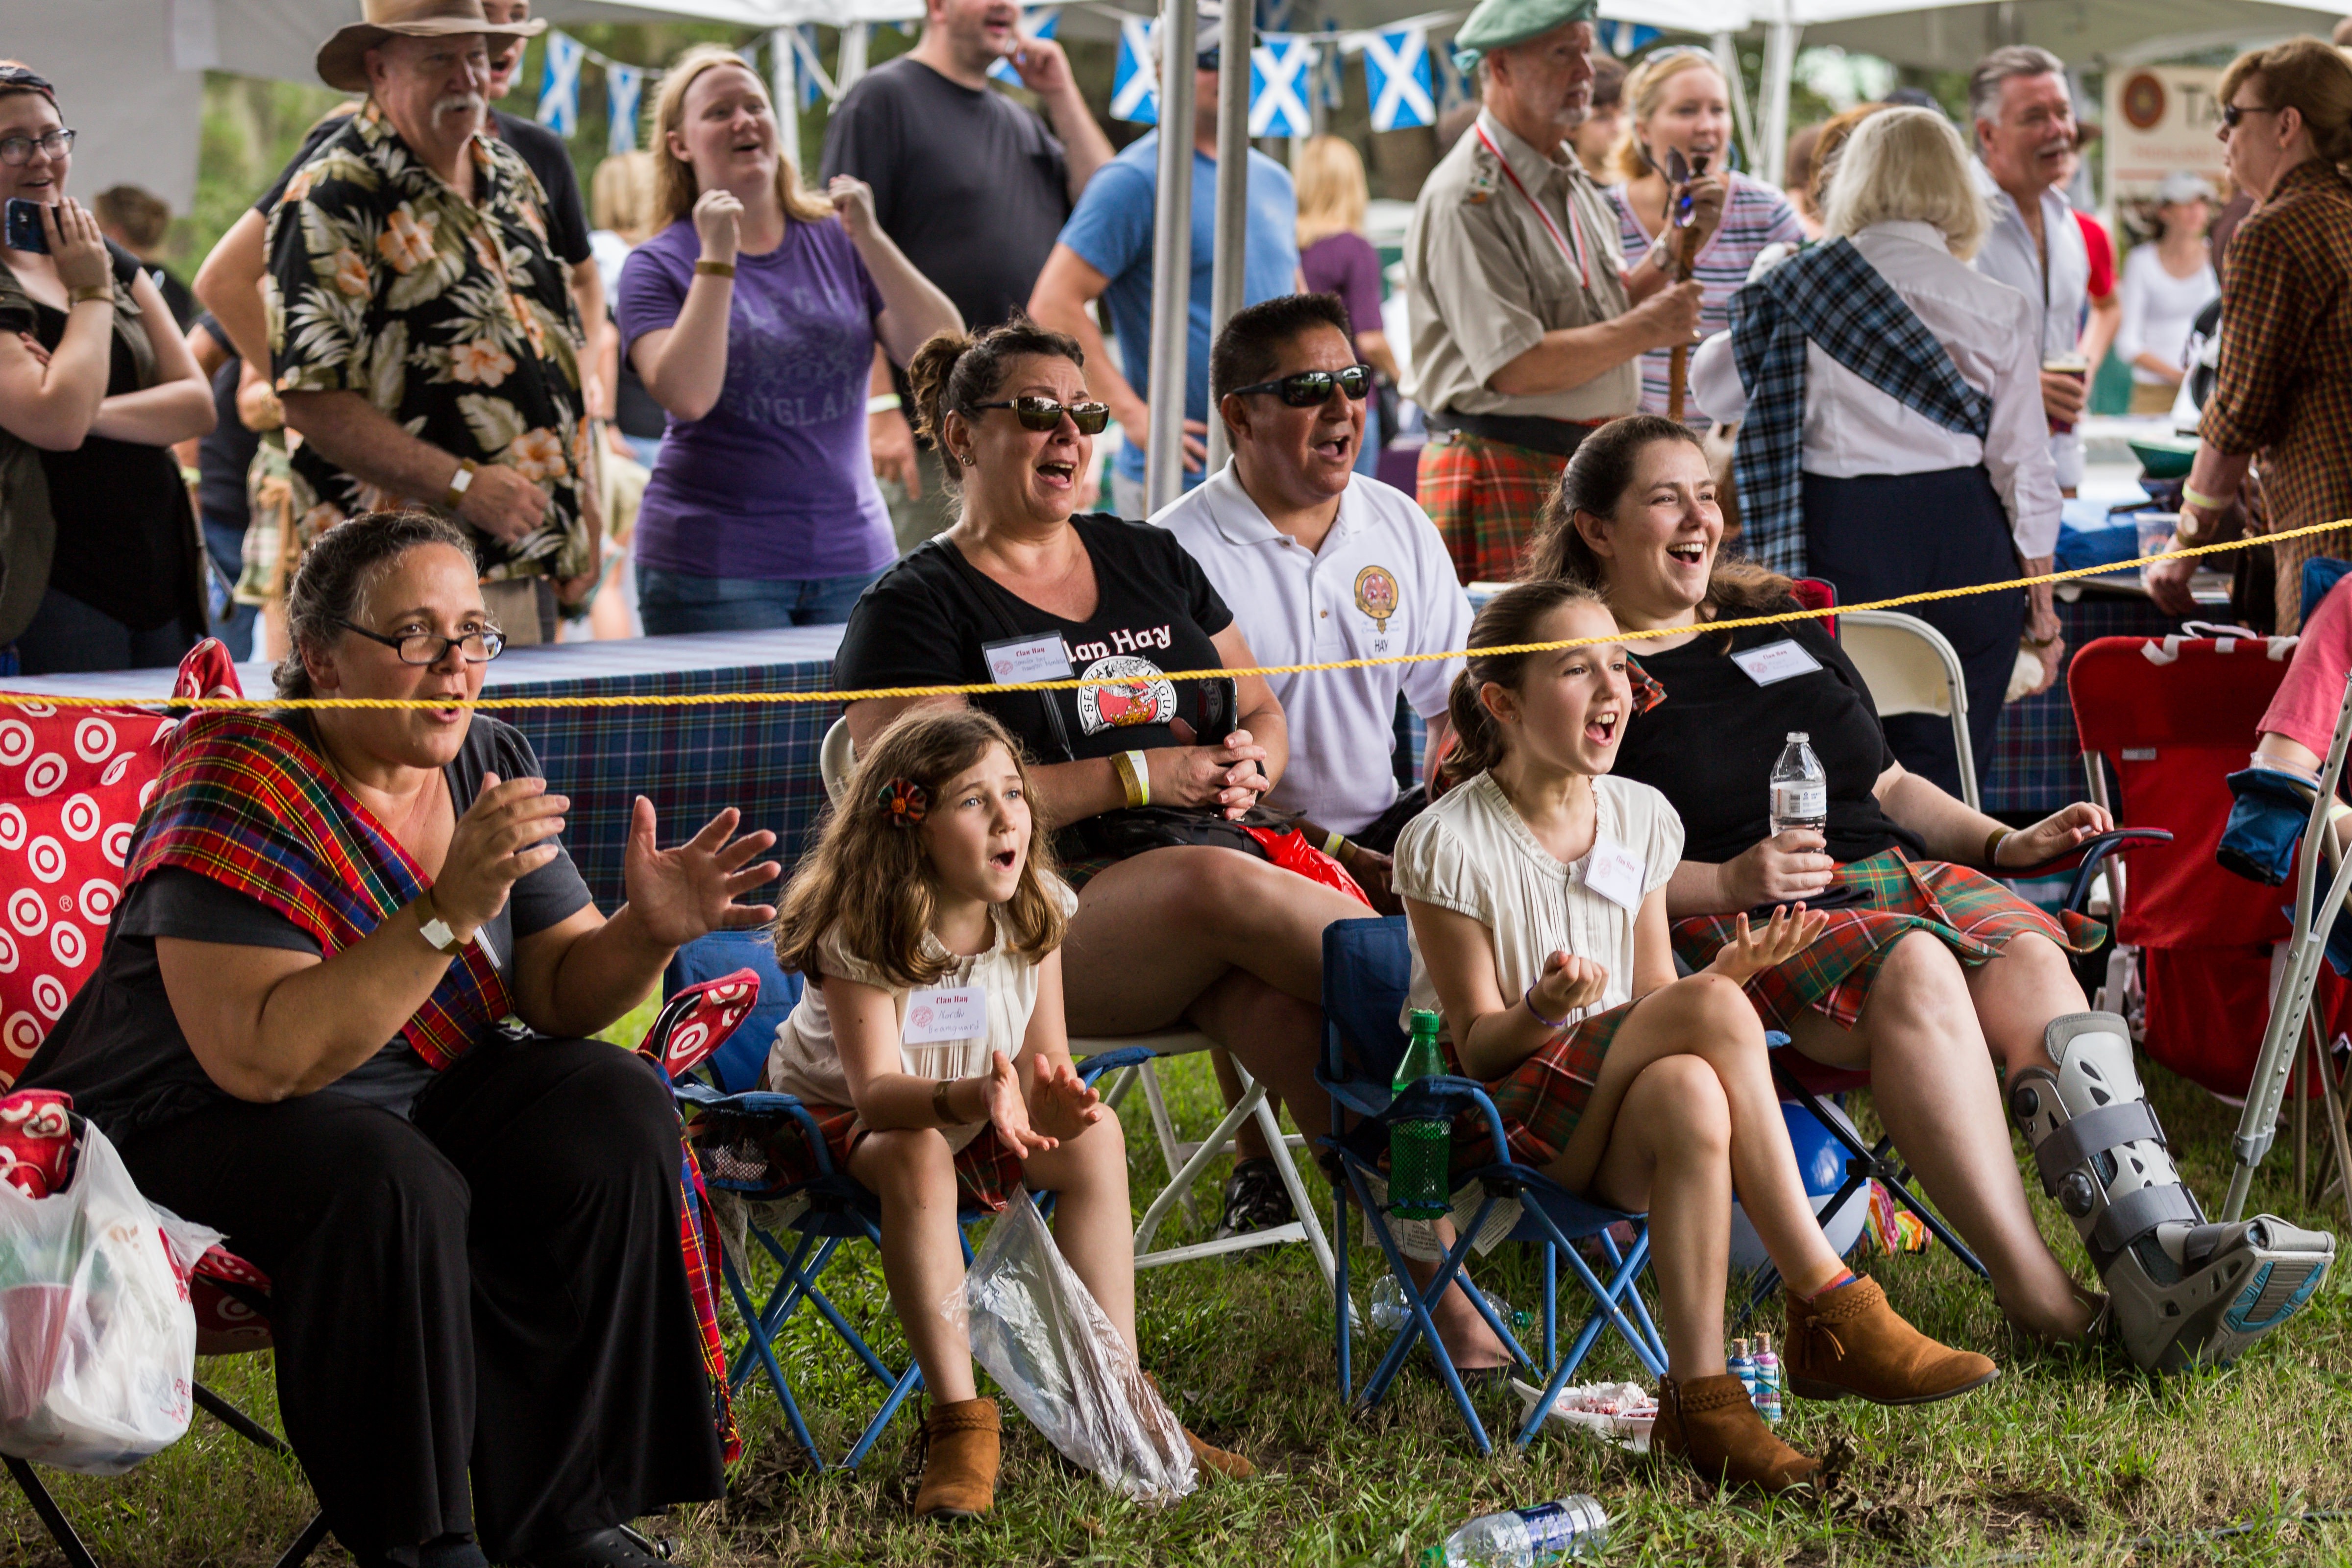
[987, 1173]
[1969, 913]
[1541, 1100]
[1483, 496]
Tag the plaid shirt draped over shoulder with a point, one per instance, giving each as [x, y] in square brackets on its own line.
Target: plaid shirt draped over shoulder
[1827, 294]
[453, 316]
[2284, 389]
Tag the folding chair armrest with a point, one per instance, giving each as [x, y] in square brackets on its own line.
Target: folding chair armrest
[2091, 851]
[1102, 1062]
[1445, 1097]
[763, 1104]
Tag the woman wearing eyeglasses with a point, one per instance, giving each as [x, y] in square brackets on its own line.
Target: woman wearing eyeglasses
[98, 565]
[1179, 917]
[1676, 102]
[2284, 390]
[297, 1034]
[752, 318]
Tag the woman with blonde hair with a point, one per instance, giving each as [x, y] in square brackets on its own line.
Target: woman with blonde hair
[2286, 329]
[752, 318]
[1892, 436]
[1675, 101]
[1335, 258]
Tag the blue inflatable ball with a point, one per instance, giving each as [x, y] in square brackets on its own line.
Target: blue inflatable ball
[1820, 1163]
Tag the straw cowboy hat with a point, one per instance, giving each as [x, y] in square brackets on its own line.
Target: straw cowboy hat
[343, 60]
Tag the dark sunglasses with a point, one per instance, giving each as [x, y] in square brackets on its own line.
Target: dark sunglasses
[2233, 112]
[1309, 387]
[1210, 59]
[1044, 414]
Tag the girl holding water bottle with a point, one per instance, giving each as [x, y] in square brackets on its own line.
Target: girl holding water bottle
[1535, 889]
[930, 1045]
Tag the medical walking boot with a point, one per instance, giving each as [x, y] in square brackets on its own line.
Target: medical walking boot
[959, 1459]
[2184, 1292]
[1711, 1423]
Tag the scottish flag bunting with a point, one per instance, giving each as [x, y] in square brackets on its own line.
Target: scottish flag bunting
[1397, 79]
[1278, 84]
[1134, 88]
[558, 92]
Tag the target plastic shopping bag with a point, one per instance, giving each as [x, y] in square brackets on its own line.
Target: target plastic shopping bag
[1038, 1331]
[97, 1340]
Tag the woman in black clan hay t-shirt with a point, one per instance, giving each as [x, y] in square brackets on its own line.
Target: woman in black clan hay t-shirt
[1021, 590]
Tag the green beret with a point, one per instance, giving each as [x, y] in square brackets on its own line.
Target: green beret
[1498, 24]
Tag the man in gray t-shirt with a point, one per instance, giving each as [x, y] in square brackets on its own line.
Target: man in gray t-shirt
[969, 185]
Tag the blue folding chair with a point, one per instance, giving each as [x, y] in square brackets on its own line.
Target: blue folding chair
[734, 1121]
[1367, 969]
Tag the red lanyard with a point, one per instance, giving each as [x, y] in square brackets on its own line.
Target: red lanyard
[1575, 254]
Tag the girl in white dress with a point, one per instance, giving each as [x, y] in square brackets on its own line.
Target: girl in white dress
[1538, 930]
[930, 1045]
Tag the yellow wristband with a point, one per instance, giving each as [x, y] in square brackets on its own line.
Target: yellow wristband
[1134, 776]
[1994, 841]
[715, 269]
[88, 292]
[1333, 842]
[2202, 501]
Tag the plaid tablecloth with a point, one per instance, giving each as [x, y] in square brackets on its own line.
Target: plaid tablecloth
[2036, 765]
[691, 763]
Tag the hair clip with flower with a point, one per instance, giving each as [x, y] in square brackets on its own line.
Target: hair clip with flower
[904, 802]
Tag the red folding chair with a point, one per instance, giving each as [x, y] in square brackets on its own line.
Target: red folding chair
[2163, 722]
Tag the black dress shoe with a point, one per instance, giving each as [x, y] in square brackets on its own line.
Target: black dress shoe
[614, 1548]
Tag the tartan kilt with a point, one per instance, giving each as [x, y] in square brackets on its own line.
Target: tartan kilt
[1483, 496]
[1542, 1100]
[987, 1173]
[1968, 911]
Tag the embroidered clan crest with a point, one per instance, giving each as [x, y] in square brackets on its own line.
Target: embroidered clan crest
[1376, 595]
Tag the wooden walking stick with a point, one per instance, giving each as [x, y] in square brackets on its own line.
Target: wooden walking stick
[1683, 214]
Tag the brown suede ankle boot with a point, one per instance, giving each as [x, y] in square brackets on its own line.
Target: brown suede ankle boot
[1233, 1467]
[959, 1459]
[1849, 1341]
[1712, 1423]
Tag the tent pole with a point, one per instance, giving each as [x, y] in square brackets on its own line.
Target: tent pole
[855, 40]
[1727, 60]
[1232, 199]
[1171, 256]
[1780, 66]
[784, 90]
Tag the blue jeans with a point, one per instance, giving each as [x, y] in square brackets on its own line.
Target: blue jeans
[232, 622]
[673, 602]
[68, 637]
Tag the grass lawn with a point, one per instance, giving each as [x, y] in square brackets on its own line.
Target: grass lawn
[2069, 1458]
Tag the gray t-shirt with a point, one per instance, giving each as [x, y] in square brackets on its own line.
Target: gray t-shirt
[119, 1050]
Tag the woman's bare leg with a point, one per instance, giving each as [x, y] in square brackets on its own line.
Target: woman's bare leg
[914, 1175]
[1931, 1080]
[1093, 1223]
[1670, 1153]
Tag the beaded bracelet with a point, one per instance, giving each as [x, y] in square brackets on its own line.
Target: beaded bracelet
[1528, 1000]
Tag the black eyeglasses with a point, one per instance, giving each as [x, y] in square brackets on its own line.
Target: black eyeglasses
[16, 151]
[1210, 59]
[2231, 113]
[1044, 414]
[431, 648]
[1309, 387]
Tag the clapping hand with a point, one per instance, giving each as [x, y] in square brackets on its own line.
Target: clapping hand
[1008, 1110]
[1061, 1104]
[1749, 953]
[853, 202]
[689, 891]
[1569, 984]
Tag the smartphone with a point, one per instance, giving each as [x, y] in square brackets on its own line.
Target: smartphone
[1836, 895]
[21, 228]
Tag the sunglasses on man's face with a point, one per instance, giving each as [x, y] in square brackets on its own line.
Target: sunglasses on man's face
[1044, 414]
[2231, 113]
[1309, 387]
[1210, 59]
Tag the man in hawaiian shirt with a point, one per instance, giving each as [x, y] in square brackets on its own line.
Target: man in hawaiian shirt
[423, 337]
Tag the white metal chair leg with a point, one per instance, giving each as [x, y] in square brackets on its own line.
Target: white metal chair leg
[1306, 1228]
[1181, 1183]
[1173, 1153]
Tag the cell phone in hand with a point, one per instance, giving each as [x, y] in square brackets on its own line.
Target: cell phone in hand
[20, 230]
[1836, 895]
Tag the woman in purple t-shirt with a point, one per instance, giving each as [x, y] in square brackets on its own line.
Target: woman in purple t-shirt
[1334, 258]
[752, 318]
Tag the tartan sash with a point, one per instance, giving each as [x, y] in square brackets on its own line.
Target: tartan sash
[244, 801]
[1827, 294]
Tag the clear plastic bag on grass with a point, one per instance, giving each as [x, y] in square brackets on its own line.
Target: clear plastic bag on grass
[1039, 1332]
[97, 1340]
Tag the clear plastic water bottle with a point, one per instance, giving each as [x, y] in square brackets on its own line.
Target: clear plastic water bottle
[1801, 788]
[1387, 1311]
[1526, 1536]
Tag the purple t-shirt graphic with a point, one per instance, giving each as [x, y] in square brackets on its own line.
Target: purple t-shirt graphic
[775, 481]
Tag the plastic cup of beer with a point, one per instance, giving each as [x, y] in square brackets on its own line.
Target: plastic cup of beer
[2070, 364]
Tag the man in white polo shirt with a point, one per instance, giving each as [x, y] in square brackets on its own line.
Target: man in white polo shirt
[1318, 562]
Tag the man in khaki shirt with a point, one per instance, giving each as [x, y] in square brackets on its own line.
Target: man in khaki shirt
[1526, 324]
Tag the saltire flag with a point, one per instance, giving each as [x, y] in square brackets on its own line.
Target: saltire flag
[558, 92]
[1279, 82]
[1134, 87]
[625, 85]
[1398, 81]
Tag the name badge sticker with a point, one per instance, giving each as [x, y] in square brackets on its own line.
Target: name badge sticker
[1017, 659]
[1776, 661]
[939, 1014]
[1615, 873]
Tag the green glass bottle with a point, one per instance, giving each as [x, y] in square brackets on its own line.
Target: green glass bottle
[1421, 1154]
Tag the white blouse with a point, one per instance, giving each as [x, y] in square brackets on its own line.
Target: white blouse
[1852, 429]
[806, 1062]
[1472, 853]
[2159, 310]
